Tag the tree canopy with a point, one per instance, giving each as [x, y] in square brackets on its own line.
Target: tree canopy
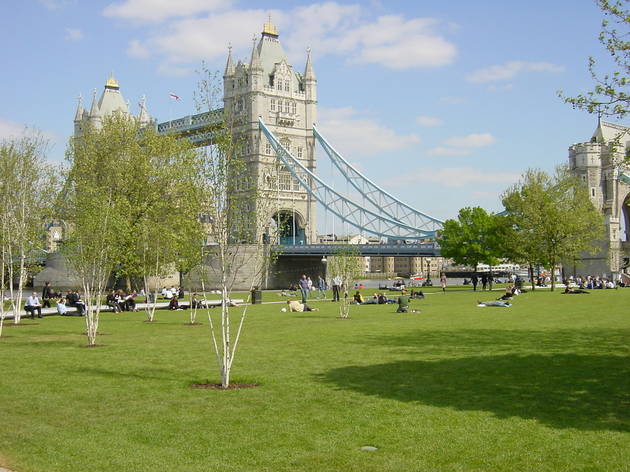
[609, 96]
[552, 218]
[472, 239]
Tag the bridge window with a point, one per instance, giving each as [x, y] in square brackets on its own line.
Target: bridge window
[592, 192]
[299, 151]
[286, 85]
[284, 181]
[286, 106]
[279, 87]
[273, 104]
[293, 108]
[296, 185]
[268, 148]
[280, 106]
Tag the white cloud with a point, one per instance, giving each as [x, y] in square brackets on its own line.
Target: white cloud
[137, 49]
[390, 41]
[357, 136]
[158, 10]
[11, 130]
[474, 140]
[448, 151]
[462, 145]
[73, 34]
[510, 70]
[397, 43]
[454, 177]
[428, 121]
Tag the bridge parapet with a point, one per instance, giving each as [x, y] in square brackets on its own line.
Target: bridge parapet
[191, 123]
[385, 250]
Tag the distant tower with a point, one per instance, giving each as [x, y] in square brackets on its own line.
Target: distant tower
[600, 165]
[111, 101]
[286, 100]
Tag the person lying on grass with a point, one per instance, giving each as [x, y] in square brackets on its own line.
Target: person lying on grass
[295, 305]
[500, 303]
[576, 291]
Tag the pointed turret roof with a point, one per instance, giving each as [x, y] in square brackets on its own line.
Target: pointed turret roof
[78, 116]
[112, 100]
[254, 62]
[607, 132]
[229, 65]
[309, 73]
[143, 117]
[94, 111]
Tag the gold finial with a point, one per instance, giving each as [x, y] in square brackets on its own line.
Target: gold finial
[269, 28]
[112, 82]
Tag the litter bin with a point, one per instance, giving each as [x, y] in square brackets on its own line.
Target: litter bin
[256, 296]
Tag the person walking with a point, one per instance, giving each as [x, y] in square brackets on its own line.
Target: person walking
[336, 286]
[321, 287]
[303, 283]
[46, 295]
[443, 282]
[475, 280]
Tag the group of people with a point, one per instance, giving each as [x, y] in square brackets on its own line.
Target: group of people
[120, 301]
[592, 283]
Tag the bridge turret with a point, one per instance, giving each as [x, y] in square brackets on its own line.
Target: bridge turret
[310, 91]
[229, 65]
[79, 116]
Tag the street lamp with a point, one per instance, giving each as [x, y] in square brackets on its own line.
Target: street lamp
[428, 271]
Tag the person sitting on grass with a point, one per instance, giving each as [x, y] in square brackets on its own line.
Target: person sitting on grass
[298, 307]
[510, 291]
[358, 298]
[173, 304]
[500, 303]
[372, 301]
[61, 307]
[417, 294]
[572, 291]
[403, 302]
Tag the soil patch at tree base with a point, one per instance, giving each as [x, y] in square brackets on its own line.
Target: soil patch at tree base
[218, 386]
[93, 345]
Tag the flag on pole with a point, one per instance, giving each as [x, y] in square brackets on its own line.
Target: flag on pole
[174, 97]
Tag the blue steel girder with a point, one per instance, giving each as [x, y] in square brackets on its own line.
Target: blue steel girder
[198, 128]
[346, 209]
[382, 201]
[378, 250]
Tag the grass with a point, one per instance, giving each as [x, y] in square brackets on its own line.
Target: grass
[541, 386]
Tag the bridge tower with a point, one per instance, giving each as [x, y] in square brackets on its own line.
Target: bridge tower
[111, 101]
[600, 164]
[269, 87]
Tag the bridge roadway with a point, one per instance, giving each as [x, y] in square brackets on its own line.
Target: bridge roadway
[377, 250]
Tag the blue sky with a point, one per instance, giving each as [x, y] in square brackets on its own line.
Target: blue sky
[444, 104]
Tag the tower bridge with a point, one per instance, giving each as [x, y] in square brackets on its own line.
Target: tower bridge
[276, 108]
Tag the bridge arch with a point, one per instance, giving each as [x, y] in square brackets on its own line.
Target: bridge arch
[290, 226]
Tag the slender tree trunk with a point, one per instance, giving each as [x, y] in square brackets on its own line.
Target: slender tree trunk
[531, 276]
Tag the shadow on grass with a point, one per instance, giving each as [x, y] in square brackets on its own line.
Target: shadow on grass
[560, 390]
[474, 342]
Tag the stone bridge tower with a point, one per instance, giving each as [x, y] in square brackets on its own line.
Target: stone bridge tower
[600, 163]
[270, 88]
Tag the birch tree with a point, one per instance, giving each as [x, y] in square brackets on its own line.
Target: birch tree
[346, 262]
[236, 211]
[26, 193]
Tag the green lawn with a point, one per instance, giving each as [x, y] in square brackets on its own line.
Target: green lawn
[541, 386]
